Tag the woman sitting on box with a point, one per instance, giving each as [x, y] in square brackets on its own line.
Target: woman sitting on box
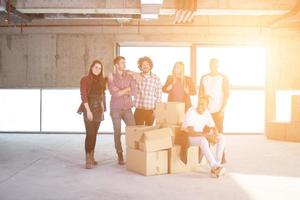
[193, 125]
[179, 87]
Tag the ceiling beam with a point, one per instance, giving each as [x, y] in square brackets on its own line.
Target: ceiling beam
[133, 11]
[289, 15]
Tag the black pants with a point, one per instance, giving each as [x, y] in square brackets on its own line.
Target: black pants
[144, 117]
[91, 128]
[218, 118]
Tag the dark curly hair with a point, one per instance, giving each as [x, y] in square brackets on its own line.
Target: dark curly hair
[145, 59]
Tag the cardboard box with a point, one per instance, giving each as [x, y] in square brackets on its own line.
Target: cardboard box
[176, 130]
[277, 130]
[155, 140]
[177, 166]
[287, 131]
[147, 163]
[169, 113]
[293, 132]
[295, 110]
[134, 135]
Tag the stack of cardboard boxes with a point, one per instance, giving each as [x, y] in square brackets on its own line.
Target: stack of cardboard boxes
[153, 150]
[289, 131]
[147, 149]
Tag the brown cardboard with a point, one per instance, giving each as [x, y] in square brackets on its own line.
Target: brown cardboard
[293, 133]
[147, 163]
[295, 110]
[155, 140]
[169, 113]
[176, 130]
[134, 135]
[277, 130]
[177, 166]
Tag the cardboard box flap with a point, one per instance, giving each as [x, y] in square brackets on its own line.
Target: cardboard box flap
[157, 134]
[139, 128]
[134, 134]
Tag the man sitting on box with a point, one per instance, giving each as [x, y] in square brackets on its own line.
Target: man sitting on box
[195, 120]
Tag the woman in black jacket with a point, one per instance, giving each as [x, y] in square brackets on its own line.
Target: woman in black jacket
[92, 90]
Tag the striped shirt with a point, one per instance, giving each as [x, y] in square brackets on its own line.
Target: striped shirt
[149, 91]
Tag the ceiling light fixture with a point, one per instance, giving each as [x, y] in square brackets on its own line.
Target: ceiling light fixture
[150, 9]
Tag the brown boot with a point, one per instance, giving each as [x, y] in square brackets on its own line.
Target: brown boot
[183, 154]
[94, 162]
[218, 171]
[120, 158]
[88, 161]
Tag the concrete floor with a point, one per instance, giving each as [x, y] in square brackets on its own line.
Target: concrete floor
[51, 167]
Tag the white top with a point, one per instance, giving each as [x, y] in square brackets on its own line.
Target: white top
[213, 86]
[198, 121]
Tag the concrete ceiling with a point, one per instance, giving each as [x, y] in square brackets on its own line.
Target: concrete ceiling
[261, 11]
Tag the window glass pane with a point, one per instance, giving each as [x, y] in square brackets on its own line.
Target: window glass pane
[20, 110]
[245, 112]
[60, 112]
[243, 66]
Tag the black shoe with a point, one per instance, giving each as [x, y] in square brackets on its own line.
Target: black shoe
[120, 159]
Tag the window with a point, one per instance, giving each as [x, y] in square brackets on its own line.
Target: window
[245, 112]
[243, 66]
[59, 108]
[20, 110]
[245, 69]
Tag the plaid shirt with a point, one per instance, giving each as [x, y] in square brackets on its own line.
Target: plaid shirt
[149, 91]
[121, 82]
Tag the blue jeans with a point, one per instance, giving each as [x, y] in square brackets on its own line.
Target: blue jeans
[117, 115]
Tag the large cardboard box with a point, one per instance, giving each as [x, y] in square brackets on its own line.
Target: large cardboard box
[147, 163]
[295, 110]
[277, 130]
[176, 130]
[177, 166]
[293, 133]
[169, 113]
[134, 135]
[155, 140]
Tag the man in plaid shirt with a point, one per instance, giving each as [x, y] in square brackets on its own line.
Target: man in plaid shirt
[149, 91]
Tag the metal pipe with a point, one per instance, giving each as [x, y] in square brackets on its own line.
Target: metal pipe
[8, 8]
[117, 25]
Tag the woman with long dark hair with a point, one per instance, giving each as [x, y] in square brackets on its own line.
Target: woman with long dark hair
[92, 90]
